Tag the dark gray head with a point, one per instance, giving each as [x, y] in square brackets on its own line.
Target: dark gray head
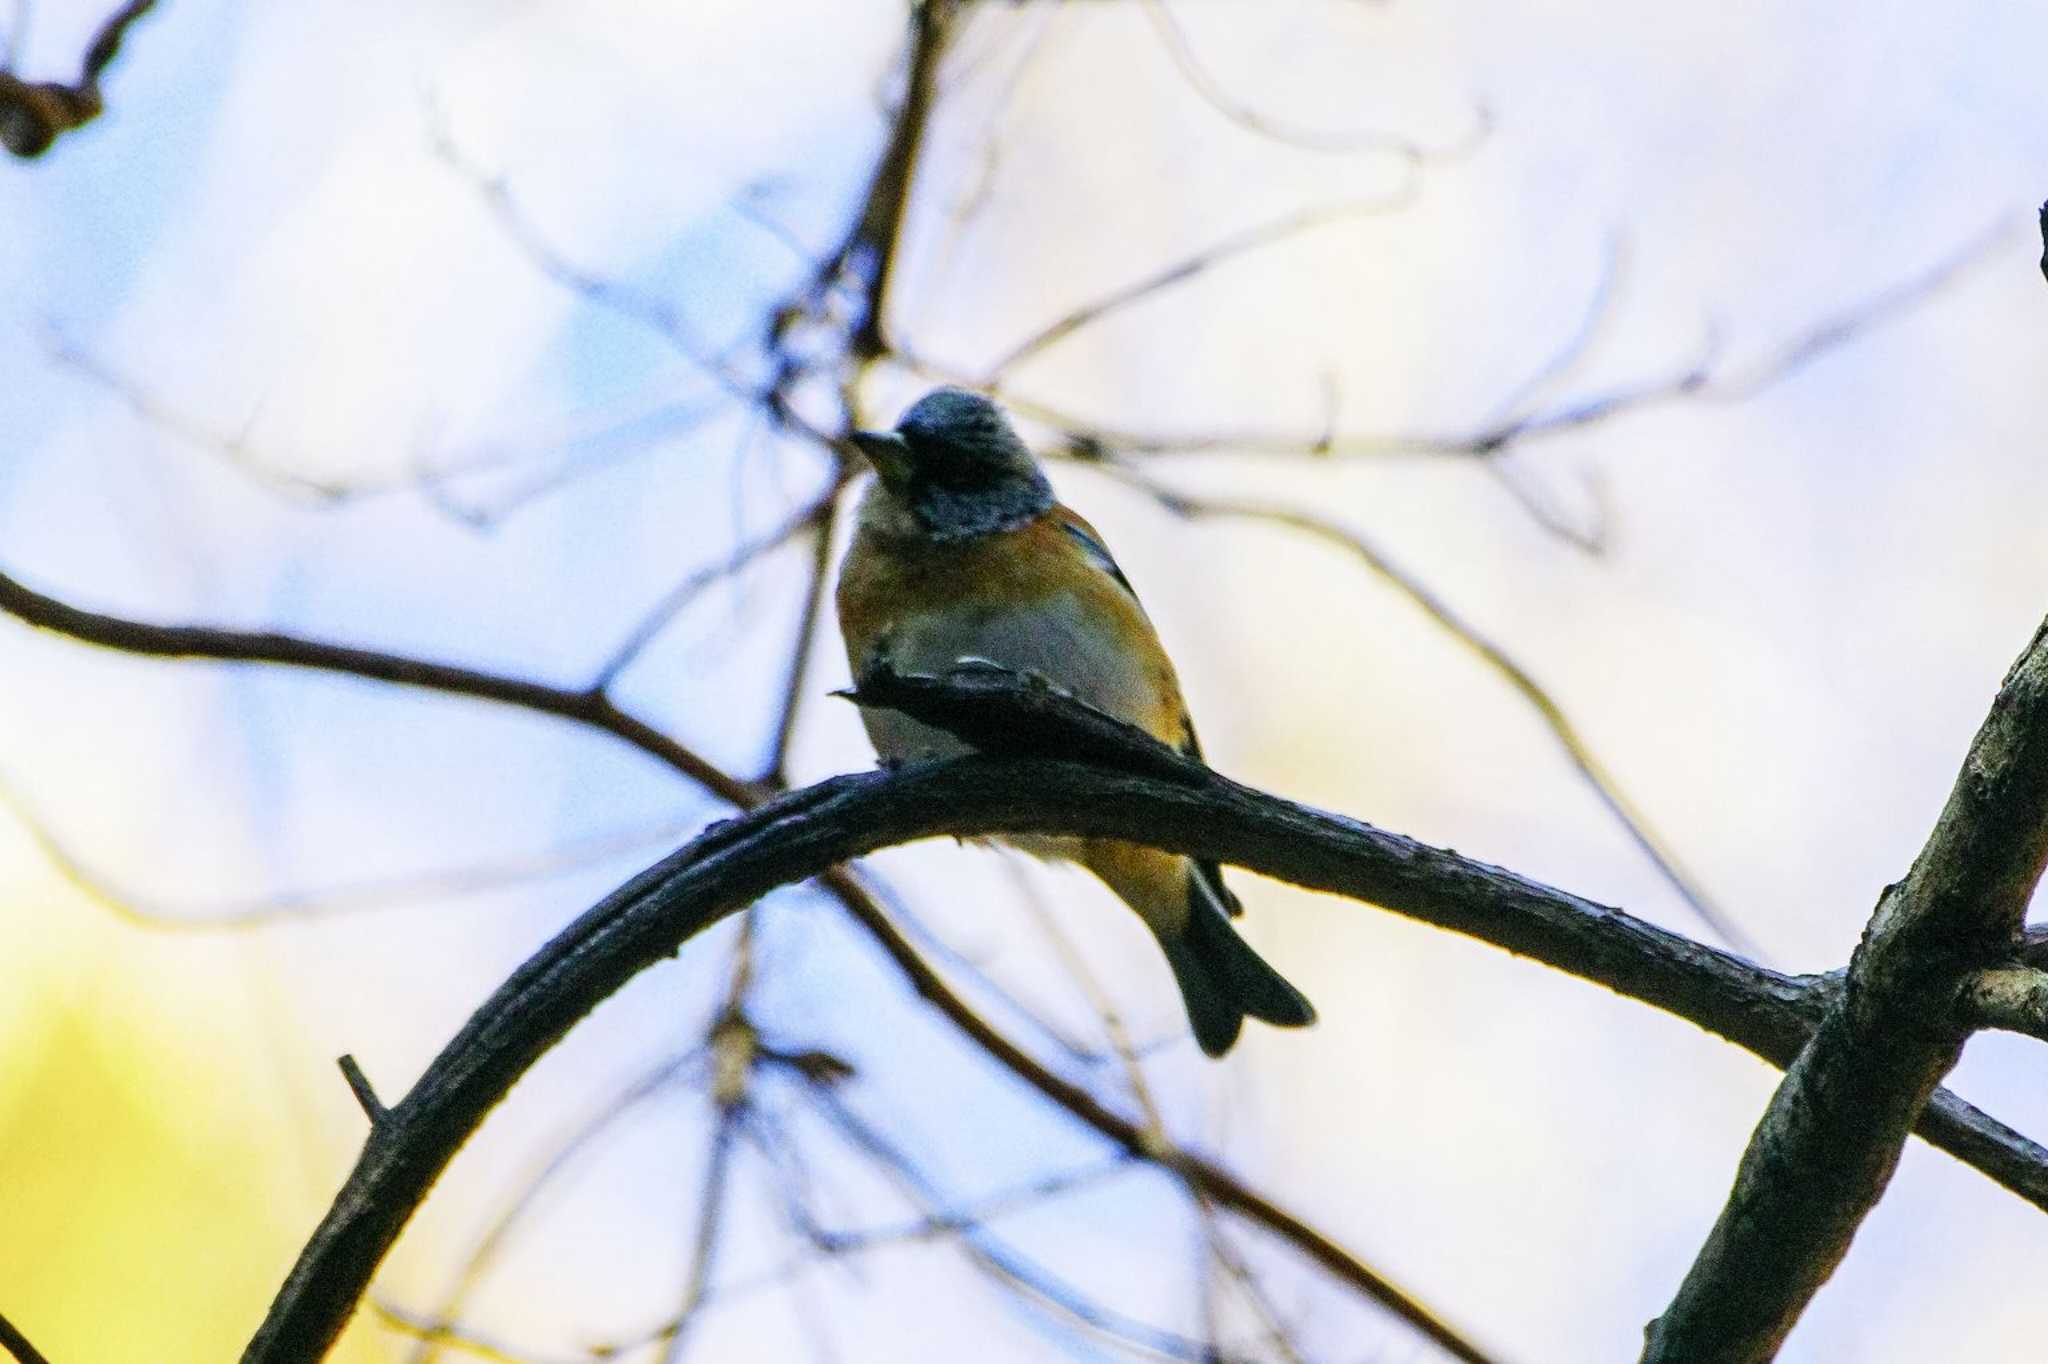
[956, 464]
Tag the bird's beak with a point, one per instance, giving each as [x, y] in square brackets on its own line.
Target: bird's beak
[887, 451]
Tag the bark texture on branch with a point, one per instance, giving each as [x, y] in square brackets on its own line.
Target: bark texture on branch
[1827, 1145]
[1767, 1012]
[1147, 795]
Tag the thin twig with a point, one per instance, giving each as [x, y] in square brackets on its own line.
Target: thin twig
[704, 1249]
[1701, 378]
[1604, 784]
[1131, 798]
[17, 1344]
[33, 114]
[868, 253]
[665, 320]
[1158, 281]
[1005, 1263]
[436, 1335]
[1204, 83]
[2011, 998]
[477, 1264]
[432, 475]
[662, 614]
[796, 684]
[367, 896]
[366, 1095]
[1772, 1033]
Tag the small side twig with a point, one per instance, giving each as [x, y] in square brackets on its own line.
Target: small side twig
[1606, 787]
[366, 1095]
[17, 1344]
[33, 114]
[2009, 998]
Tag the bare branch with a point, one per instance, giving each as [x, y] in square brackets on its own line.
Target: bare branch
[807, 518]
[1701, 378]
[868, 252]
[797, 680]
[252, 646]
[442, 1326]
[1829, 1141]
[596, 710]
[1768, 1013]
[356, 897]
[1603, 782]
[658, 316]
[1006, 1265]
[1865, 315]
[234, 449]
[16, 1344]
[805, 832]
[711, 1202]
[434, 1335]
[1189, 267]
[2011, 998]
[433, 475]
[366, 1094]
[1204, 83]
[34, 114]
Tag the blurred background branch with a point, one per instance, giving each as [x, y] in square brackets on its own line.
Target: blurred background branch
[17, 1344]
[564, 368]
[1146, 792]
[33, 114]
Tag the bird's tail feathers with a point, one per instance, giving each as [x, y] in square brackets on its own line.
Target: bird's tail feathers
[1222, 980]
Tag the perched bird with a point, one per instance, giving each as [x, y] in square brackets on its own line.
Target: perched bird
[960, 556]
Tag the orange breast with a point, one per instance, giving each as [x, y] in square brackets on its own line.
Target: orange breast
[892, 587]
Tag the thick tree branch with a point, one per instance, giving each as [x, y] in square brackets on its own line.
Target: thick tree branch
[1766, 1012]
[1828, 1143]
[587, 706]
[868, 251]
[1150, 795]
[595, 709]
[791, 839]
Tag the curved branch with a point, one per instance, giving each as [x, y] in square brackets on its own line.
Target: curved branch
[594, 709]
[17, 1344]
[586, 705]
[1150, 795]
[1768, 1013]
[791, 839]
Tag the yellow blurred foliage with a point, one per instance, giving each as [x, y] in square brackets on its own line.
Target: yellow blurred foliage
[141, 1218]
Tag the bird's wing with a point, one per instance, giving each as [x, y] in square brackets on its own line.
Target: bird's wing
[1091, 545]
[1070, 521]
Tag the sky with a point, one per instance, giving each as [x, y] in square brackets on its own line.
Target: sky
[274, 272]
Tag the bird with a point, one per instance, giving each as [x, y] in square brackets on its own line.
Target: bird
[961, 557]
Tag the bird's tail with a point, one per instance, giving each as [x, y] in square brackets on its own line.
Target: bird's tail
[1222, 980]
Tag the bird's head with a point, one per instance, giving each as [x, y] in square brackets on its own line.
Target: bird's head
[959, 467]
